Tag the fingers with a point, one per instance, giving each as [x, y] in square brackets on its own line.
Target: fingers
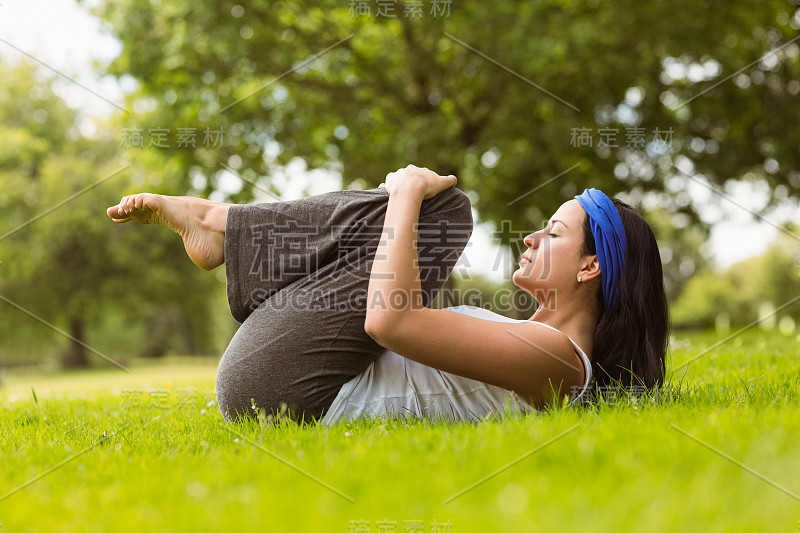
[412, 168]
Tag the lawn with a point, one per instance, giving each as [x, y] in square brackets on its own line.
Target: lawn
[104, 450]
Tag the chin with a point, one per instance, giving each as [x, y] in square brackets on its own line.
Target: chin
[521, 284]
[514, 276]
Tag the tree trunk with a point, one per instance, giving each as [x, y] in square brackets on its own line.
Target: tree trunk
[187, 334]
[75, 356]
[156, 341]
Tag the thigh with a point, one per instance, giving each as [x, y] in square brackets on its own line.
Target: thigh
[269, 247]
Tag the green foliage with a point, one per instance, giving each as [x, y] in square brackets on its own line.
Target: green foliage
[681, 248]
[743, 288]
[704, 297]
[63, 260]
[401, 90]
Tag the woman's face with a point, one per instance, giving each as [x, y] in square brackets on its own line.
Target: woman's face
[552, 258]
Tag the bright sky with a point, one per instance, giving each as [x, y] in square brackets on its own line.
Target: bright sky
[65, 36]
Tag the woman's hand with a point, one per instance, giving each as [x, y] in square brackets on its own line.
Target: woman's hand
[421, 180]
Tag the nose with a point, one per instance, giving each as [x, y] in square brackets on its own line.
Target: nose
[532, 240]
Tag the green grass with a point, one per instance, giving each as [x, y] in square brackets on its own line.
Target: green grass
[624, 465]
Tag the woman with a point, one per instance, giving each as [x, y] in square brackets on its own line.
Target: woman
[332, 294]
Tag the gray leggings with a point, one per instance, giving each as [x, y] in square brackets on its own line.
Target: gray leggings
[298, 273]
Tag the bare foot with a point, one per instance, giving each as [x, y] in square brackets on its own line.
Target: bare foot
[199, 222]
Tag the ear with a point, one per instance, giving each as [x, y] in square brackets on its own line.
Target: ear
[590, 269]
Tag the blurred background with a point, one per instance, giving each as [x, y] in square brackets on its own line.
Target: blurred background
[687, 110]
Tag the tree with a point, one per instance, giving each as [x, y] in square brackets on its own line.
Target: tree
[369, 94]
[70, 265]
[740, 291]
[681, 248]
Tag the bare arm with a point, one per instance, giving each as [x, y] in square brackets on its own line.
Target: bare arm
[524, 357]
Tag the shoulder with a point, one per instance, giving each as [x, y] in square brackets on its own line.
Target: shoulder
[563, 363]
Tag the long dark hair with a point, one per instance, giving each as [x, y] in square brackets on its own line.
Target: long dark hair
[630, 344]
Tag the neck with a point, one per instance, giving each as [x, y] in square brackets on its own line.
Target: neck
[574, 318]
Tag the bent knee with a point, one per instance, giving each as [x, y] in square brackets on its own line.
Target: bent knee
[456, 197]
[458, 209]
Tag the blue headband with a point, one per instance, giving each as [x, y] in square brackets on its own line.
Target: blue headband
[609, 240]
